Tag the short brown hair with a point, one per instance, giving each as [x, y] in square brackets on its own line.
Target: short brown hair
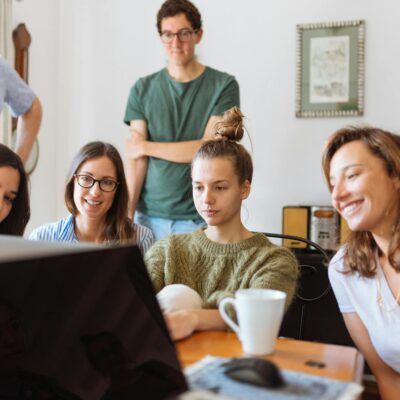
[119, 227]
[361, 247]
[170, 8]
[228, 132]
[17, 219]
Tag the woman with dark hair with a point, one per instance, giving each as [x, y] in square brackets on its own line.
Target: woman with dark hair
[362, 169]
[193, 272]
[14, 194]
[97, 197]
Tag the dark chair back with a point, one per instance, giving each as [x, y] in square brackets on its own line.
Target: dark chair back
[314, 313]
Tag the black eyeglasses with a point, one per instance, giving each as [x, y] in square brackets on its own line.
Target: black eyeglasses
[86, 181]
[184, 35]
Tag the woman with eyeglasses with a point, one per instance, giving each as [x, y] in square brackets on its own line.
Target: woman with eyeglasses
[97, 197]
[170, 113]
[14, 194]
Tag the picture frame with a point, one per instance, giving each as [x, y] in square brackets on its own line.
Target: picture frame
[330, 69]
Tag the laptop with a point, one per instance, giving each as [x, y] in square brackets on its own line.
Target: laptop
[81, 322]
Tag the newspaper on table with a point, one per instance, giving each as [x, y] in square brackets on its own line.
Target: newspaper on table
[208, 374]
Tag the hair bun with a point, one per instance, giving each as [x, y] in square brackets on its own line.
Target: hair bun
[231, 126]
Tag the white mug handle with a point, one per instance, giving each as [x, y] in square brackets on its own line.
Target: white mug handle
[225, 316]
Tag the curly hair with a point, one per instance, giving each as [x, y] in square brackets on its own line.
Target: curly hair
[361, 248]
[170, 8]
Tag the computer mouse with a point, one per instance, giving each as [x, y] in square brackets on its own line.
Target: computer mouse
[255, 371]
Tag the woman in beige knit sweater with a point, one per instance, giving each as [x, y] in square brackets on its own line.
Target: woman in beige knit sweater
[212, 263]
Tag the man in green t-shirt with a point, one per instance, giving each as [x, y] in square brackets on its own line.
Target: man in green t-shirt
[170, 113]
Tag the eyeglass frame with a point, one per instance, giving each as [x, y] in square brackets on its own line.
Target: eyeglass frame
[76, 176]
[193, 31]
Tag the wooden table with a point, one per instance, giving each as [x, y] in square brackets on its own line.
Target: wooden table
[341, 362]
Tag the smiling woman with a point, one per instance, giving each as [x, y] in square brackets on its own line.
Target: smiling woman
[362, 168]
[97, 197]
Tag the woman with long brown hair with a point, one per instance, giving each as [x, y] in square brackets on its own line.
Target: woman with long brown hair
[362, 168]
[96, 195]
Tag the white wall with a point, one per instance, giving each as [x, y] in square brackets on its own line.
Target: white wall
[103, 46]
[41, 19]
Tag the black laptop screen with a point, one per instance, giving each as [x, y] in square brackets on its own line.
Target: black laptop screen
[84, 325]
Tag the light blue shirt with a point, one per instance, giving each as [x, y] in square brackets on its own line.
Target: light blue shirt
[14, 91]
[63, 231]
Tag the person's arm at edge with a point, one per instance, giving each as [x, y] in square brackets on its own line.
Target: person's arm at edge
[388, 379]
[179, 152]
[136, 169]
[27, 129]
[147, 240]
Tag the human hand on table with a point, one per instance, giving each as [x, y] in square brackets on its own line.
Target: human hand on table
[181, 324]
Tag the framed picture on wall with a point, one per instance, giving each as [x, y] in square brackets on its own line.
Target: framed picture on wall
[330, 69]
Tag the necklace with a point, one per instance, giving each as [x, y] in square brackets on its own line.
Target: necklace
[379, 298]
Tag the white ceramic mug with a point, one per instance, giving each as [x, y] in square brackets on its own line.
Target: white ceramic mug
[259, 313]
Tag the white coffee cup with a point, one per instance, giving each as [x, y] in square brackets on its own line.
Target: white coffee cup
[259, 313]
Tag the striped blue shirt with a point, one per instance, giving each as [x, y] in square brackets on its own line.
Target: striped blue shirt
[63, 231]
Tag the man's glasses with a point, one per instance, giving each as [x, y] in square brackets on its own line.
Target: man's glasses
[86, 181]
[184, 35]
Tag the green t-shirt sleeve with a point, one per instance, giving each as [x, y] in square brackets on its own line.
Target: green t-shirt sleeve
[134, 108]
[229, 97]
